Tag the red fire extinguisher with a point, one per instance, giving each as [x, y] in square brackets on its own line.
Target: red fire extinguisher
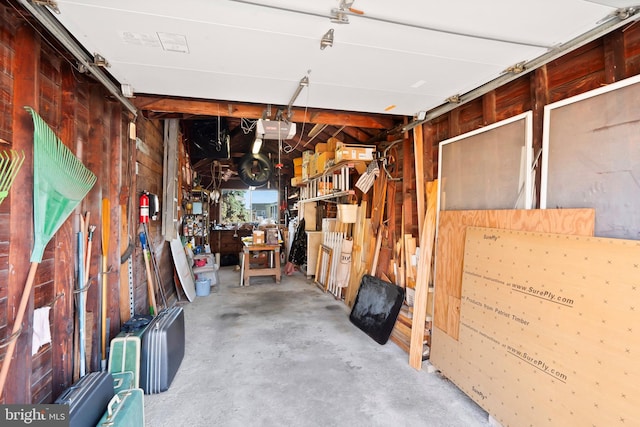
[144, 208]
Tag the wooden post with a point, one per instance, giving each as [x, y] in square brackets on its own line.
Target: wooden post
[422, 281]
[123, 293]
[376, 252]
[401, 255]
[356, 257]
[62, 325]
[93, 160]
[614, 57]
[489, 108]
[418, 153]
[539, 98]
[114, 150]
[378, 202]
[408, 185]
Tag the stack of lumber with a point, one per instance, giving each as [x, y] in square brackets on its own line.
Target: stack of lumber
[357, 264]
[383, 249]
[401, 334]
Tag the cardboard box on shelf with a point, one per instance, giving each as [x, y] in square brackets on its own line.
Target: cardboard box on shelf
[297, 161]
[321, 147]
[306, 156]
[332, 143]
[323, 160]
[313, 161]
[297, 170]
[258, 237]
[354, 152]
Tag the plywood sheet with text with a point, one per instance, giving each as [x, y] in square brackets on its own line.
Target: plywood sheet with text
[548, 328]
[450, 247]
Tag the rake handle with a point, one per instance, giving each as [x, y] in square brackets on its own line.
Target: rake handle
[150, 286]
[17, 324]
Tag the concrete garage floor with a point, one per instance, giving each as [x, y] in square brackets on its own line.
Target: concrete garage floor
[287, 355]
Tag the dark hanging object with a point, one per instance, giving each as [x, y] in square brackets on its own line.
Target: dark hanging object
[209, 139]
[255, 170]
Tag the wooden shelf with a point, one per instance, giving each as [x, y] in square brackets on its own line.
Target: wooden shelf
[196, 225]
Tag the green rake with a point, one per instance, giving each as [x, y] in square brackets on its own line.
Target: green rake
[10, 163]
[60, 182]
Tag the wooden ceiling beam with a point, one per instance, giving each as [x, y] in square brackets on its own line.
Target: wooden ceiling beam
[338, 118]
[198, 107]
[356, 134]
[251, 111]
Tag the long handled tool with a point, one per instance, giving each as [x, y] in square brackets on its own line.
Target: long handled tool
[80, 304]
[83, 301]
[77, 294]
[106, 221]
[60, 182]
[154, 264]
[150, 288]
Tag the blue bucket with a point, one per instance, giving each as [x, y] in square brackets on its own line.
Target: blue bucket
[203, 287]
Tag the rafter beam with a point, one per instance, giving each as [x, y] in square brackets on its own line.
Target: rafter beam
[356, 133]
[252, 111]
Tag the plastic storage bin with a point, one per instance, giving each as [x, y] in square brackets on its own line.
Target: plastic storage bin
[203, 287]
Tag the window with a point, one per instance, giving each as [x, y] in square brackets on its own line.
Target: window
[488, 167]
[591, 157]
[241, 206]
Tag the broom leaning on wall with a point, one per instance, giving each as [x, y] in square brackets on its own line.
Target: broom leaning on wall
[60, 182]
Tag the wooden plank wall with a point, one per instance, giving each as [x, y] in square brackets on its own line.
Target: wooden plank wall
[95, 128]
[150, 152]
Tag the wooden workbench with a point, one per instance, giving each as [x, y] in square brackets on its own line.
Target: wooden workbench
[248, 272]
